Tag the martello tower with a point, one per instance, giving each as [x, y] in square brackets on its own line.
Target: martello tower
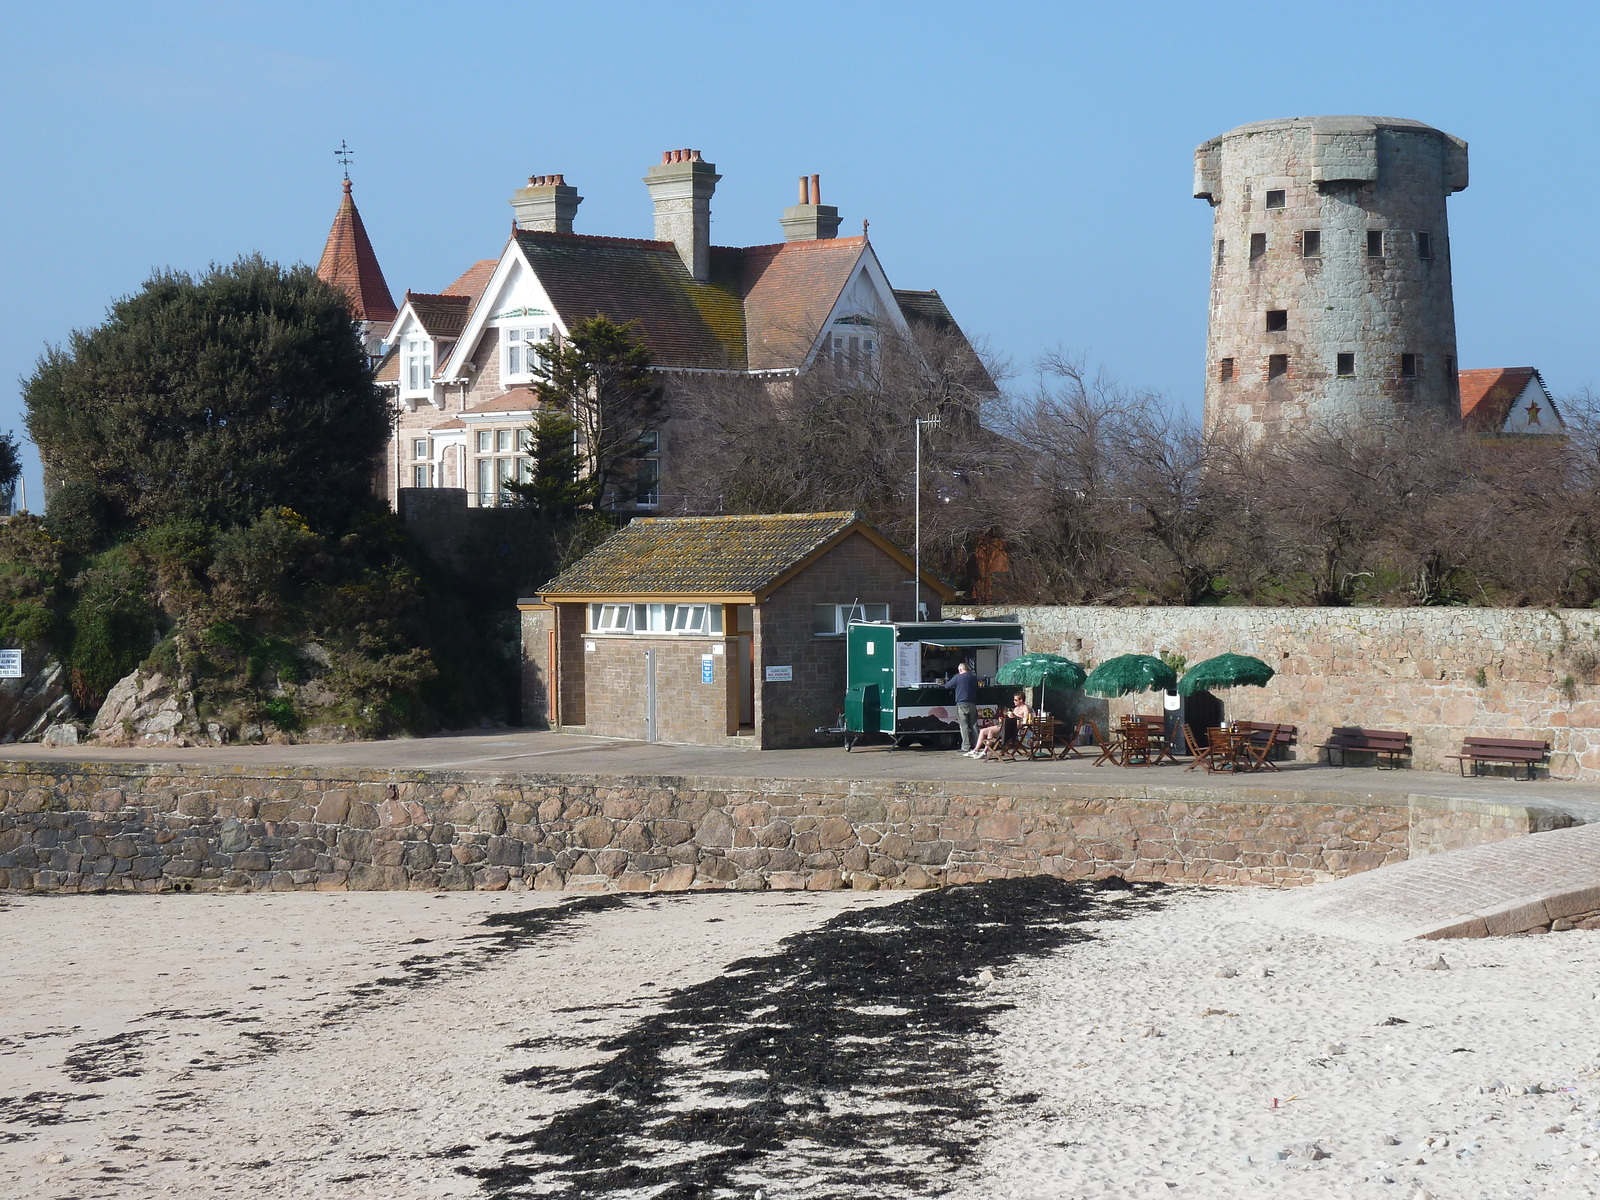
[1330, 276]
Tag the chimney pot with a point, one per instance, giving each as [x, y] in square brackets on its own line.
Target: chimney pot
[546, 205]
[810, 220]
[681, 187]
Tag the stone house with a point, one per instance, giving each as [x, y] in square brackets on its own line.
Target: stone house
[718, 631]
[459, 363]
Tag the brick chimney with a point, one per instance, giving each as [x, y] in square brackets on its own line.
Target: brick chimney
[810, 220]
[680, 187]
[546, 205]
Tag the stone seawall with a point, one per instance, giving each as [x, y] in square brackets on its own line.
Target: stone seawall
[97, 826]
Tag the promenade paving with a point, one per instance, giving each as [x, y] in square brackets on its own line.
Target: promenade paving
[1495, 889]
[515, 751]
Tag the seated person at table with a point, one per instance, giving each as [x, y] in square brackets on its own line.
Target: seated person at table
[989, 736]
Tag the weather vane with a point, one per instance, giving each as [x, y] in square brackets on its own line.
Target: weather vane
[344, 154]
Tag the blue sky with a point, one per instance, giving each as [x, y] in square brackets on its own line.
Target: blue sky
[1031, 161]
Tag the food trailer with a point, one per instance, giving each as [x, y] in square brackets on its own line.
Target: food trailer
[897, 677]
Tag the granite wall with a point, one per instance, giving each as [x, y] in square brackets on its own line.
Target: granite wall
[96, 826]
[1440, 673]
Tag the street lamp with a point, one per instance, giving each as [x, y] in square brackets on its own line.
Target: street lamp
[916, 537]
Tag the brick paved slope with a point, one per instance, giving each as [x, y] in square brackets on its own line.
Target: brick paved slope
[1501, 888]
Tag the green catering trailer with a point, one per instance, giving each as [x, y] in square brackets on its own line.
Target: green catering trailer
[897, 678]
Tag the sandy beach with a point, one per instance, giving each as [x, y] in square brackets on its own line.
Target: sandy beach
[1159, 1049]
[1032, 1040]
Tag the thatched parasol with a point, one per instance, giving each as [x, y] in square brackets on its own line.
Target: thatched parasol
[1130, 673]
[1225, 671]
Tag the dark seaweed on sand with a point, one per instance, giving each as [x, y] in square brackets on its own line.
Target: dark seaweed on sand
[850, 1063]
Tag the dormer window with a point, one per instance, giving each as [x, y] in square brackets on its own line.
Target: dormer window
[419, 364]
[520, 357]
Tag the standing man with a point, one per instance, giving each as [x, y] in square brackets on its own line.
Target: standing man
[966, 689]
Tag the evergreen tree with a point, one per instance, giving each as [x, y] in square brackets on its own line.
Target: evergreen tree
[211, 399]
[599, 380]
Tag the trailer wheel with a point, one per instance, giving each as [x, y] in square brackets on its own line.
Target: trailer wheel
[949, 741]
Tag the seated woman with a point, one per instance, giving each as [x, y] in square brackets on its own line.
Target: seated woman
[989, 736]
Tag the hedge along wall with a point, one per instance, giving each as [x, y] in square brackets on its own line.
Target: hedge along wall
[1440, 673]
[92, 826]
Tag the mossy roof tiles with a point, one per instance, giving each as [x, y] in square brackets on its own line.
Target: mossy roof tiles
[699, 556]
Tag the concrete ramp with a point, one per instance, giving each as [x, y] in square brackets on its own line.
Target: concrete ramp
[1512, 886]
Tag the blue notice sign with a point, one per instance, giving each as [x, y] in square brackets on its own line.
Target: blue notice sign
[707, 671]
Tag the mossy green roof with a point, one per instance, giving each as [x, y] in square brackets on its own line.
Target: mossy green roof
[700, 556]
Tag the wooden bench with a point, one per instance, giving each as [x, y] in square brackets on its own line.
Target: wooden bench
[1263, 729]
[1512, 751]
[1389, 743]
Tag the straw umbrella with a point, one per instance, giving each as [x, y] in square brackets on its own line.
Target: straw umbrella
[1041, 671]
[1128, 673]
[1225, 671]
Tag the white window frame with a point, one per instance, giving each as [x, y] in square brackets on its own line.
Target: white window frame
[420, 475]
[419, 448]
[485, 441]
[419, 365]
[844, 614]
[517, 350]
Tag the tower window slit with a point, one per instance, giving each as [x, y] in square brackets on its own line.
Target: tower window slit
[1346, 365]
[1277, 366]
[1258, 245]
[1311, 243]
[1225, 371]
[1374, 243]
[1424, 245]
[1275, 199]
[1277, 320]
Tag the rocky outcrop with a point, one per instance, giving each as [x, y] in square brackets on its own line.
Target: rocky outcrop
[30, 705]
[150, 710]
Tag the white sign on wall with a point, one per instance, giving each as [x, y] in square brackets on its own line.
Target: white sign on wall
[780, 674]
[10, 664]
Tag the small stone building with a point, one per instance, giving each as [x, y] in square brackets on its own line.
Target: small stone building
[712, 631]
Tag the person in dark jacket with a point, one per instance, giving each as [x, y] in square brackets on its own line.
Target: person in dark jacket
[966, 689]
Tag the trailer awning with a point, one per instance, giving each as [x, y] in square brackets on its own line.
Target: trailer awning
[956, 643]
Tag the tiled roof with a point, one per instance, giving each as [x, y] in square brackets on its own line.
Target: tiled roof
[474, 280]
[788, 291]
[388, 370]
[452, 423]
[516, 400]
[349, 262]
[441, 316]
[1488, 393]
[682, 322]
[928, 310]
[690, 556]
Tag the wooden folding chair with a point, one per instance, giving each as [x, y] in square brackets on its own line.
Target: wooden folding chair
[1069, 749]
[1257, 755]
[1136, 748]
[1109, 751]
[1007, 745]
[1200, 754]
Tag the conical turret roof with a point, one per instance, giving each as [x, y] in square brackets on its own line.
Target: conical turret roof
[348, 262]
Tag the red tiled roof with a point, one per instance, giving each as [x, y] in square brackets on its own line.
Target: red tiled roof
[388, 370]
[684, 323]
[349, 263]
[441, 316]
[788, 291]
[516, 400]
[473, 280]
[1488, 393]
[452, 423]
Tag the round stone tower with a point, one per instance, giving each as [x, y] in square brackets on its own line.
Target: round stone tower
[1330, 276]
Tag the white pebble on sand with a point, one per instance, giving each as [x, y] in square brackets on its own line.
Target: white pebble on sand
[1126, 1116]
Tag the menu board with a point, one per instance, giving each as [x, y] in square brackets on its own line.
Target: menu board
[908, 664]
